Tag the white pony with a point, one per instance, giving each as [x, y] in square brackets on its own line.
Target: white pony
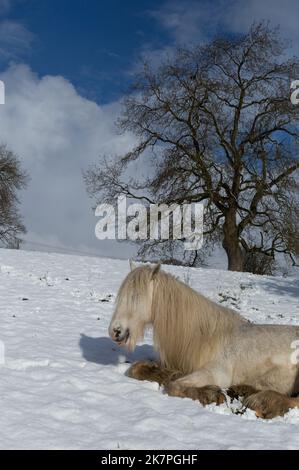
[204, 347]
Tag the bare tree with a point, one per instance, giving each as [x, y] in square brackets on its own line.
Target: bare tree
[12, 179]
[215, 124]
[290, 230]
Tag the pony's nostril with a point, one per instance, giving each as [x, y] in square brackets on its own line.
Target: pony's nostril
[117, 332]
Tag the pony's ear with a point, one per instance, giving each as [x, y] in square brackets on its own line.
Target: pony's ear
[155, 270]
[132, 265]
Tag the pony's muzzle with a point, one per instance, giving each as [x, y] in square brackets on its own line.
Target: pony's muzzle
[120, 336]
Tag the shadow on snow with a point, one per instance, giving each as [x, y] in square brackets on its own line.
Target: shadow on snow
[104, 351]
[282, 287]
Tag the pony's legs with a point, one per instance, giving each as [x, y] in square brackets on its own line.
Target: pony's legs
[152, 371]
[267, 404]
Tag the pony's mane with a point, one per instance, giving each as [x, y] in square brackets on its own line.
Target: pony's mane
[187, 326]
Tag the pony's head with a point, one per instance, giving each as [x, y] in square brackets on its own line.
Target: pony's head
[133, 306]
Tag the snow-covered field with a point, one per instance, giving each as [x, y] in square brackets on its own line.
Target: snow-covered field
[62, 384]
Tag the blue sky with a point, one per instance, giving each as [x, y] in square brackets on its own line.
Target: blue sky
[93, 43]
[66, 65]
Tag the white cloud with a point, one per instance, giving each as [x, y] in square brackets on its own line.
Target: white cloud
[57, 133]
[191, 21]
[15, 39]
[187, 21]
[283, 13]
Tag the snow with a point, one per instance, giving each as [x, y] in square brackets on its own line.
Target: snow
[62, 382]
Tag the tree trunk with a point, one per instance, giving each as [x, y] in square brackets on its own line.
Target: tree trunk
[231, 243]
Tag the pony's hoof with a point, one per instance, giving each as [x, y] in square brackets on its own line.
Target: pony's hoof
[205, 395]
[268, 404]
[152, 371]
[145, 370]
[210, 394]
